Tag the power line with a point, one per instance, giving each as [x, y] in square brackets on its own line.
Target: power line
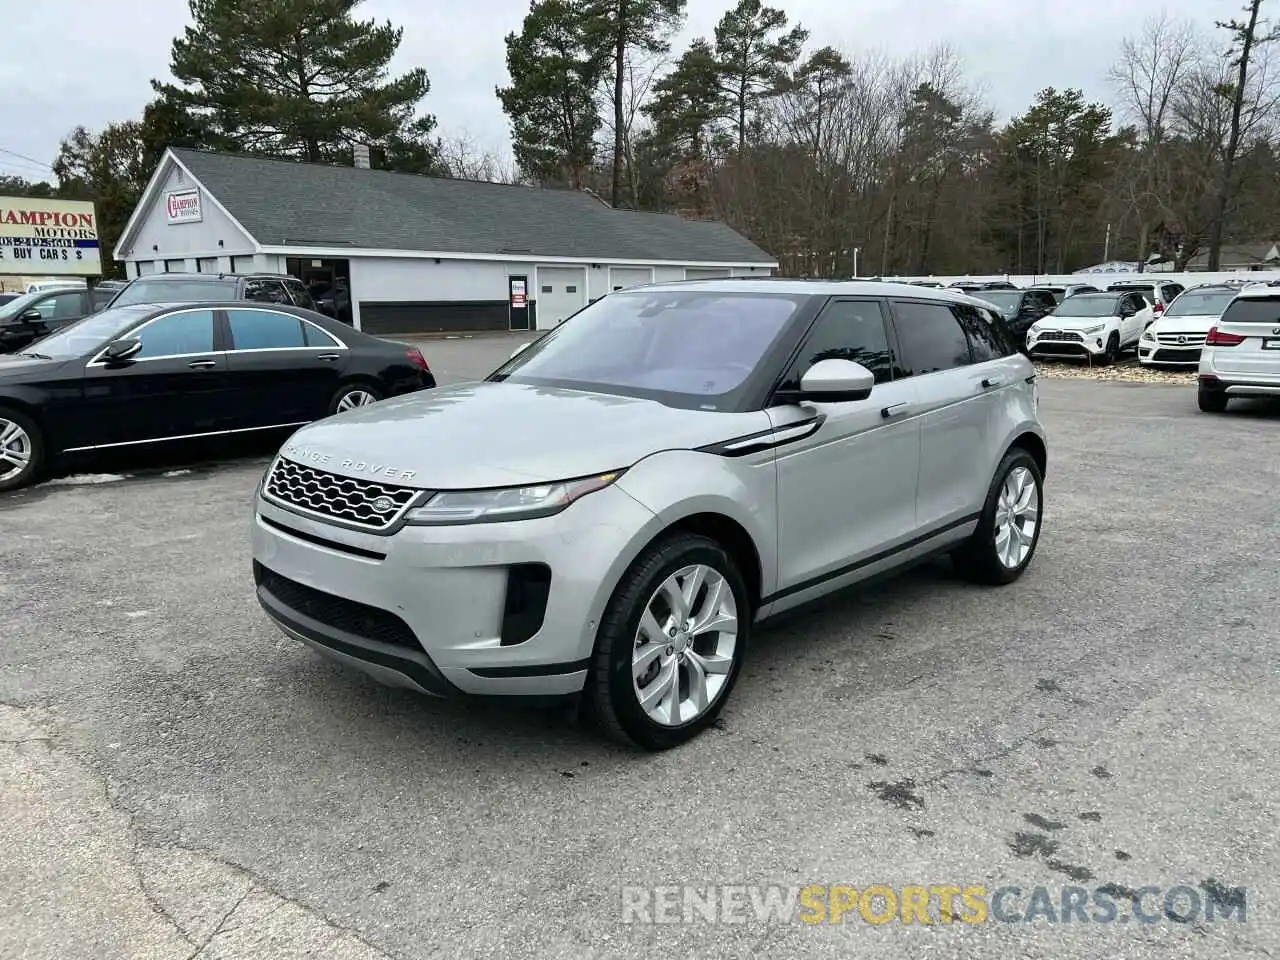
[23, 156]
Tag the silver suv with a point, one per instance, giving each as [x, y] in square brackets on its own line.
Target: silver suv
[614, 509]
[1241, 355]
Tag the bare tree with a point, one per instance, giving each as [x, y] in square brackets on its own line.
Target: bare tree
[642, 70]
[464, 159]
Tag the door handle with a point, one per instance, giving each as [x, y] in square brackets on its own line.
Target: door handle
[202, 364]
[893, 410]
[328, 356]
[991, 382]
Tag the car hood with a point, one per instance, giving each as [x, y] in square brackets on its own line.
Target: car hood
[16, 369]
[1191, 323]
[481, 434]
[1055, 322]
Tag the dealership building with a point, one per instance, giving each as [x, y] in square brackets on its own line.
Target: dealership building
[418, 254]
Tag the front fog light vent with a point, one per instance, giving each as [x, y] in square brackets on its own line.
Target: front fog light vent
[528, 587]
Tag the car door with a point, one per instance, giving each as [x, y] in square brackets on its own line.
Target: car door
[284, 370]
[953, 410]
[846, 490]
[174, 387]
[42, 317]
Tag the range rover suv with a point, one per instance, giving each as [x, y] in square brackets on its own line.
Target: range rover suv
[613, 510]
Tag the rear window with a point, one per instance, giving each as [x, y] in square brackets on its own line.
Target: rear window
[175, 291]
[1253, 310]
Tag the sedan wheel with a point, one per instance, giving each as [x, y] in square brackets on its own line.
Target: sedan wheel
[20, 450]
[349, 398]
[670, 644]
[1017, 517]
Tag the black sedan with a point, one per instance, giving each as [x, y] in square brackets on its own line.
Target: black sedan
[153, 373]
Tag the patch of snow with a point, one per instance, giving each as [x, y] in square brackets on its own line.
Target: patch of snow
[88, 478]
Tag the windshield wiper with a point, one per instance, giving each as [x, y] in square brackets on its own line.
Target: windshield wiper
[36, 356]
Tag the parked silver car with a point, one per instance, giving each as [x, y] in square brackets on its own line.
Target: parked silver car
[1241, 355]
[612, 510]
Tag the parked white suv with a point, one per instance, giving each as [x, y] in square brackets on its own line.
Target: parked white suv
[1241, 356]
[1090, 326]
[1177, 336]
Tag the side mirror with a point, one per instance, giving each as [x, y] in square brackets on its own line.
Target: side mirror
[518, 350]
[836, 381]
[119, 351]
[30, 316]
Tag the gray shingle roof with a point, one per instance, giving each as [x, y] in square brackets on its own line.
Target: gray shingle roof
[284, 203]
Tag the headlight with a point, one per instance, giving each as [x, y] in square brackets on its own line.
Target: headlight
[1035, 328]
[507, 503]
[1095, 329]
[1148, 335]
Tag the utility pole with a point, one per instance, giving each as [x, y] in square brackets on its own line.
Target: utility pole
[1106, 246]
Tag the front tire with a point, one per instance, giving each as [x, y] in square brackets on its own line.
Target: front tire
[1211, 401]
[21, 450]
[1112, 354]
[1008, 532]
[353, 395]
[670, 644]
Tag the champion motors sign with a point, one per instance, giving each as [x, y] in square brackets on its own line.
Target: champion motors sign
[48, 238]
[183, 206]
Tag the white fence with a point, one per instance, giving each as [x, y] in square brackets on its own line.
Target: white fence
[1101, 280]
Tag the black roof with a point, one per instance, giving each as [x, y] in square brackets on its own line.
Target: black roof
[286, 203]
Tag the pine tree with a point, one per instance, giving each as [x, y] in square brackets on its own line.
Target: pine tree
[754, 56]
[551, 98]
[616, 30]
[298, 78]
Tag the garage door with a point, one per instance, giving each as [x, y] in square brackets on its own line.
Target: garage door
[622, 277]
[561, 291]
[705, 273]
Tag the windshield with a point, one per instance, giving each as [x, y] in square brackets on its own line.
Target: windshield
[14, 307]
[85, 336]
[1086, 305]
[1005, 300]
[1201, 304]
[174, 291]
[683, 348]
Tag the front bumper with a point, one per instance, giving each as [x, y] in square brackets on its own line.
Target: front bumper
[490, 608]
[1160, 353]
[1065, 348]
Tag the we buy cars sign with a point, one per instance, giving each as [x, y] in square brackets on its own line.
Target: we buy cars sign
[183, 206]
[53, 238]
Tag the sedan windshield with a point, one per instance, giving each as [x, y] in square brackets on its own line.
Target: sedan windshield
[87, 335]
[1006, 300]
[1084, 305]
[683, 348]
[15, 307]
[173, 291]
[1200, 304]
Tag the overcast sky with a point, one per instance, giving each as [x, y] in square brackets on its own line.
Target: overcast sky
[90, 61]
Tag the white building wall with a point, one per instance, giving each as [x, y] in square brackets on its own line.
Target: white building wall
[388, 280]
[159, 240]
[667, 274]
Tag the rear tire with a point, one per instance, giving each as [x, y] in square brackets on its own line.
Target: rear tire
[1001, 548]
[22, 450]
[1211, 401]
[352, 395]
[637, 656]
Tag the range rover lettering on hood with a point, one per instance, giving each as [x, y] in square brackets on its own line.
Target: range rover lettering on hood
[320, 458]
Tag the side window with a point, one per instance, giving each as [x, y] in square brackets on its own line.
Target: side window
[264, 330]
[986, 341]
[300, 295]
[265, 291]
[930, 338]
[178, 334]
[315, 337]
[1045, 301]
[63, 306]
[846, 330]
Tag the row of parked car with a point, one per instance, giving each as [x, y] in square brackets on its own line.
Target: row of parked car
[46, 309]
[1228, 331]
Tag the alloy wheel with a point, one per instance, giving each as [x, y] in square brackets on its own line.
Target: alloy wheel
[685, 646]
[16, 449]
[355, 398]
[1017, 517]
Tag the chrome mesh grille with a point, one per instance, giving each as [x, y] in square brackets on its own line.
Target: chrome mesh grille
[374, 506]
[1181, 339]
[1061, 336]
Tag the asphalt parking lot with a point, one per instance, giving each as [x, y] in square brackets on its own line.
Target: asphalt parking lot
[179, 780]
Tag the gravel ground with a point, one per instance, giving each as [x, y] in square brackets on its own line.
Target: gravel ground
[179, 780]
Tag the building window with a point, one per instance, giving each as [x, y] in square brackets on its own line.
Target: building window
[207, 265]
[571, 289]
[546, 289]
[174, 266]
[242, 264]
